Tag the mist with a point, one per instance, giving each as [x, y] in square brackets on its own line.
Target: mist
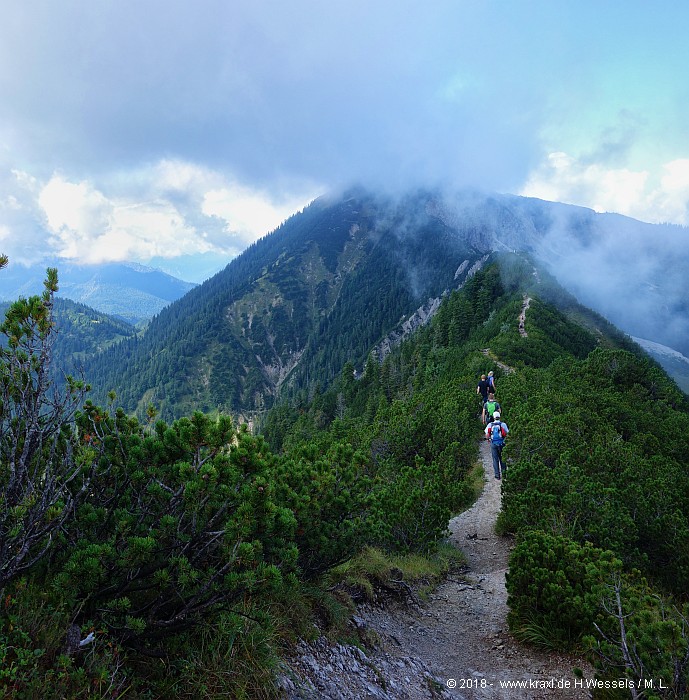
[633, 273]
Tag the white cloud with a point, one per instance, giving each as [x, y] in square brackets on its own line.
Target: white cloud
[677, 177]
[76, 214]
[10, 202]
[164, 210]
[89, 227]
[180, 176]
[27, 183]
[145, 230]
[641, 194]
[247, 213]
[672, 198]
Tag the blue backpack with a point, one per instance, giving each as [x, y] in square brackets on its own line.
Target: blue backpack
[497, 433]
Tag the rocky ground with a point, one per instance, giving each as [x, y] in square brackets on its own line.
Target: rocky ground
[522, 317]
[453, 645]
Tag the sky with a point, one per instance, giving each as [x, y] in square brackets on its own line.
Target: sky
[177, 133]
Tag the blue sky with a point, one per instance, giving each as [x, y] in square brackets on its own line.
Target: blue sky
[180, 132]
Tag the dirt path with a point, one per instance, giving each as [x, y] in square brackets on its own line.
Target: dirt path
[461, 633]
[505, 368]
[522, 317]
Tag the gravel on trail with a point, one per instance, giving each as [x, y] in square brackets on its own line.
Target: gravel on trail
[455, 644]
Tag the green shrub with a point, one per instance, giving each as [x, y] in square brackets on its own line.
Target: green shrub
[412, 506]
[328, 494]
[43, 475]
[555, 585]
[643, 636]
[181, 522]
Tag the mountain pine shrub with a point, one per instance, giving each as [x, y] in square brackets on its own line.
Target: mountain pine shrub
[329, 494]
[555, 584]
[43, 474]
[181, 523]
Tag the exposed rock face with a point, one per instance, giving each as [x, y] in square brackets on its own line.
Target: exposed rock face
[419, 318]
[279, 370]
[424, 313]
[341, 672]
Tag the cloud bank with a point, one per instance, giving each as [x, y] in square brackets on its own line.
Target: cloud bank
[661, 197]
[169, 210]
[167, 128]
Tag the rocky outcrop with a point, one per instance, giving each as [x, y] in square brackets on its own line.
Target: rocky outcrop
[419, 318]
[426, 312]
[324, 671]
[277, 371]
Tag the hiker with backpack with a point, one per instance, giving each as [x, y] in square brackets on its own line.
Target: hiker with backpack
[496, 431]
[491, 382]
[489, 407]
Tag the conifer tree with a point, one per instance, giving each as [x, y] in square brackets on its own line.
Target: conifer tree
[41, 475]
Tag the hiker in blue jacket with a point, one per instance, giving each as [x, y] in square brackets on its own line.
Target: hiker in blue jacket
[496, 431]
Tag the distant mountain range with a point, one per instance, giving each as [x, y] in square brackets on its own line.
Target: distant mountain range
[350, 273]
[127, 291]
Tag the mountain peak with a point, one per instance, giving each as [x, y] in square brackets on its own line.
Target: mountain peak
[333, 282]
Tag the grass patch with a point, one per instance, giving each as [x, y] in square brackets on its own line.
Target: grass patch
[537, 634]
[231, 657]
[373, 574]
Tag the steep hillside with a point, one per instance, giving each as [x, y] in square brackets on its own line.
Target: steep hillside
[673, 362]
[321, 290]
[480, 319]
[83, 332]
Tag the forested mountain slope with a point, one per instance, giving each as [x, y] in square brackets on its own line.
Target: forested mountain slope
[82, 333]
[354, 273]
[321, 290]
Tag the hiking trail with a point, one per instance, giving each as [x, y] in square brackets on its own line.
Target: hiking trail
[522, 316]
[505, 368]
[460, 632]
